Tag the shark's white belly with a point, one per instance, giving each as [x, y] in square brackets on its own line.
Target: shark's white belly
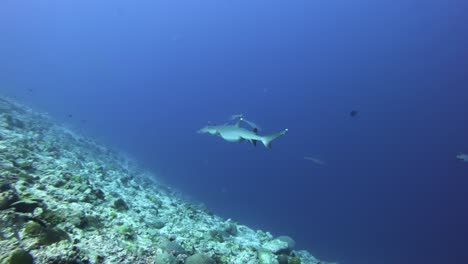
[230, 137]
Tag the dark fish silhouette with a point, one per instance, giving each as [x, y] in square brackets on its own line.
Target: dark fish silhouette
[353, 113]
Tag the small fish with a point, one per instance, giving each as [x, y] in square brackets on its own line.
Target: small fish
[353, 113]
[70, 115]
[251, 124]
[315, 160]
[463, 157]
[240, 117]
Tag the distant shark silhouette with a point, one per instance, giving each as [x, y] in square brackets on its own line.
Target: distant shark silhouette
[236, 133]
[462, 157]
[315, 160]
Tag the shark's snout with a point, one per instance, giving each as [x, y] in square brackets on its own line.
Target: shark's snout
[207, 129]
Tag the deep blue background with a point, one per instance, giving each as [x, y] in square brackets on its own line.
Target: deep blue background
[145, 75]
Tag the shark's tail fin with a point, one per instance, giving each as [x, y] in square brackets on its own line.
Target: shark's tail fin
[266, 140]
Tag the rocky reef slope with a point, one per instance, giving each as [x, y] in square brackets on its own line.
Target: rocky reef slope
[66, 199]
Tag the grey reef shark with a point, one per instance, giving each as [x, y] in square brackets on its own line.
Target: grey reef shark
[236, 133]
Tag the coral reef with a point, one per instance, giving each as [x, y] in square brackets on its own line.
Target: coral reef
[66, 199]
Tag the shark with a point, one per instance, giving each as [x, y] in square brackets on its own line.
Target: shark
[462, 157]
[236, 133]
[315, 160]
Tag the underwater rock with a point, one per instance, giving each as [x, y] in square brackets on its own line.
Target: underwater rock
[45, 235]
[165, 258]
[295, 260]
[120, 205]
[26, 177]
[127, 231]
[24, 165]
[158, 224]
[276, 246]
[231, 229]
[4, 185]
[54, 217]
[98, 193]
[290, 241]
[218, 235]
[282, 259]
[13, 123]
[20, 256]
[171, 247]
[33, 228]
[199, 259]
[25, 206]
[100, 259]
[7, 199]
[52, 235]
[85, 221]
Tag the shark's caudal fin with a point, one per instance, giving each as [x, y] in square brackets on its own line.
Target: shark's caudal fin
[266, 140]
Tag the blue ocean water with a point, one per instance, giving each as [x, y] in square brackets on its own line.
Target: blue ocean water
[144, 76]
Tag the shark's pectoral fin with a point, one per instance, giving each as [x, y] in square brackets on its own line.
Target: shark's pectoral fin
[254, 142]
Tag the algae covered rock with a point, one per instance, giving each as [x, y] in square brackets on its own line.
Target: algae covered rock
[20, 256]
[199, 259]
